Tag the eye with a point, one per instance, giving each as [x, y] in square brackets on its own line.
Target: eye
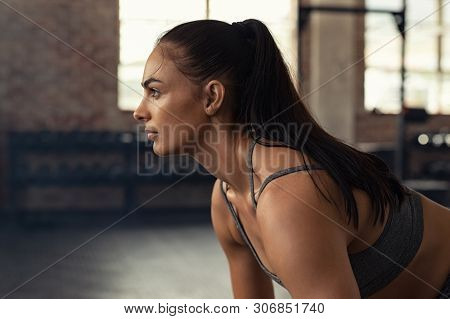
[154, 92]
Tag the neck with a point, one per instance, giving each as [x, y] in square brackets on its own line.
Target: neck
[224, 154]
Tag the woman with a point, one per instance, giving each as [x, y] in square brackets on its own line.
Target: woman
[291, 203]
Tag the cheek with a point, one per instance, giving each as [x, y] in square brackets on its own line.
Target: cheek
[169, 118]
[182, 114]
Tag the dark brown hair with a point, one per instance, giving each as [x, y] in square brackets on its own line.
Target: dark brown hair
[265, 95]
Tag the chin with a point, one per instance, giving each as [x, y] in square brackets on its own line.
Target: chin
[159, 150]
[166, 149]
[156, 149]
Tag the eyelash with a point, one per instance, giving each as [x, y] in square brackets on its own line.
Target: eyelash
[153, 90]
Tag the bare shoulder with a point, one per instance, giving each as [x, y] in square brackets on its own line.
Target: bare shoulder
[247, 278]
[313, 195]
[305, 239]
[300, 199]
[221, 219]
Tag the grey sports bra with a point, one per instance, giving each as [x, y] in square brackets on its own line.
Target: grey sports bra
[375, 266]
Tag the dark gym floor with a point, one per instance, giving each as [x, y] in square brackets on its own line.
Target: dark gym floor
[183, 261]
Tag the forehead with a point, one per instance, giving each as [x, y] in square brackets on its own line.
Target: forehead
[159, 65]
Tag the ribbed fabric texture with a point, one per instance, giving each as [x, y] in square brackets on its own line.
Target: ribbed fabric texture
[379, 264]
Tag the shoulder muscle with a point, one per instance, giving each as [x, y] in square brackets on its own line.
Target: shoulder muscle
[305, 241]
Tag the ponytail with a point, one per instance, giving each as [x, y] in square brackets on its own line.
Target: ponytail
[267, 102]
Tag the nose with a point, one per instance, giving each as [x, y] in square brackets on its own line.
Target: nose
[141, 113]
[138, 117]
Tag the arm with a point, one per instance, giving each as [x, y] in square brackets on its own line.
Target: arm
[305, 241]
[247, 278]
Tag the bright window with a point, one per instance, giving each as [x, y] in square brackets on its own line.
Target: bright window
[142, 21]
[427, 59]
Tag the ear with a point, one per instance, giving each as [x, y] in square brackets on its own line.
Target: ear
[214, 96]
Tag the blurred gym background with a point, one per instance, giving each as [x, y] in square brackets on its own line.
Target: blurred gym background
[83, 214]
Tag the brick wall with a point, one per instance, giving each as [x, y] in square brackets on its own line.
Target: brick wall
[46, 85]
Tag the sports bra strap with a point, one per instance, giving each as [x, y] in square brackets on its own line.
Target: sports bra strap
[273, 176]
[283, 172]
[244, 235]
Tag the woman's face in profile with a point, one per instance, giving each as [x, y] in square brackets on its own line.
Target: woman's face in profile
[171, 105]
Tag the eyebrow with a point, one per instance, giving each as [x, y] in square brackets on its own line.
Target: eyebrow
[150, 80]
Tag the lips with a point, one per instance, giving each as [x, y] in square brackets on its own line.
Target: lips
[151, 135]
